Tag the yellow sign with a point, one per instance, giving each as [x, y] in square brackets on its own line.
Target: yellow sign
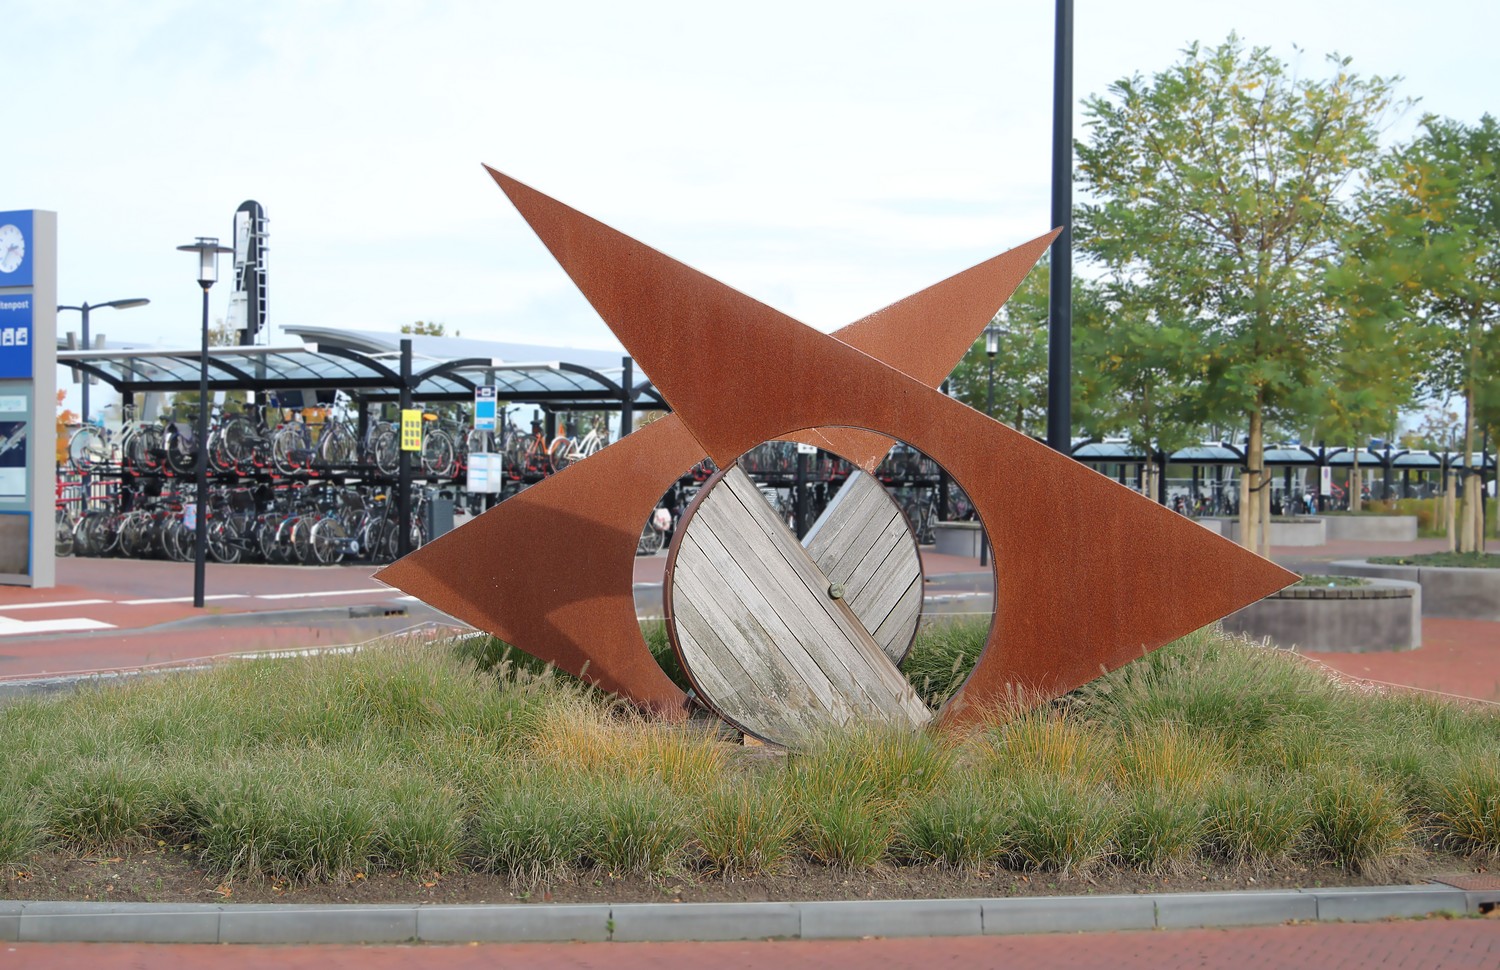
[411, 430]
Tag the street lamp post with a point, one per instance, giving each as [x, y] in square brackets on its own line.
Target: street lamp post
[208, 250]
[85, 345]
[991, 348]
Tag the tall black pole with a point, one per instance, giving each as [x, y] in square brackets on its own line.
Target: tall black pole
[627, 396]
[403, 479]
[200, 538]
[1060, 321]
[84, 310]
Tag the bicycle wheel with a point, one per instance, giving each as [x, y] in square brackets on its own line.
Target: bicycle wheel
[387, 451]
[181, 451]
[285, 447]
[301, 538]
[237, 437]
[88, 449]
[63, 542]
[438, 457]
[178, 541]
[336, 446]
[560, 452]
[650, 542]
[135, 534]
[329, 541]
[223, 543]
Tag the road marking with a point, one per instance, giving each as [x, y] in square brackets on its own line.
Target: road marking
[326, 592]
[10, 628]
[43, 606]
[181, 599]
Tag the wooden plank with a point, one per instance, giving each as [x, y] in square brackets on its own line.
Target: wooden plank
[874, 675]
[748, 624]
[858, 499]
[896, 631]
[779, 656]
[796, 601]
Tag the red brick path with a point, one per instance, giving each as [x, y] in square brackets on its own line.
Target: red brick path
[1412, 945]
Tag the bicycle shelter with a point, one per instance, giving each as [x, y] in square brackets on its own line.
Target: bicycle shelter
[377, 369]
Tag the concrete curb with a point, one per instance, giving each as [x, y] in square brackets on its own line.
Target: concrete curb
[58, 922]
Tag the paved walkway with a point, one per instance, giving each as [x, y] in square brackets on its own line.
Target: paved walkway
[1410, 945]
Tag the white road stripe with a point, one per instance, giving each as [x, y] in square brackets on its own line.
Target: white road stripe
[182, 599]
[326, 592]
[10, 628]
[43, 606]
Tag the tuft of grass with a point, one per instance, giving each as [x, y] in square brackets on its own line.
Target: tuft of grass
[1059, 823]
[635, 828]
[1161, 826]
[963, 826]
[847, 832]
[22, 827]
[97, 803]
[1045, 741]
[1211, 683]
[1357, 821]
[1170, 757]
[529, 827]
[745, 827]
[421, 829]
[1466, 806]
[1255, 818]
[874, 762]
[589, 737]
[297, 814]
[942, 656]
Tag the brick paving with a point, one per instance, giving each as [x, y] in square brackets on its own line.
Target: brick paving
[1410, 945]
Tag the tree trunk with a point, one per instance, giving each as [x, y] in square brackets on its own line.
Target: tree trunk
[1251, 483]
[1450, 510]
[1356, 487]
[1468, 512]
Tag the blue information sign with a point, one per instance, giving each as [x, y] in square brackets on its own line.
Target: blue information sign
[484, 408]
[15, 335]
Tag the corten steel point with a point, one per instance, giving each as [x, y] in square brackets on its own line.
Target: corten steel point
[550, 569]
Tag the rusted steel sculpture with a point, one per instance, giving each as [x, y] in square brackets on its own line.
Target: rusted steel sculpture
[1089, 574]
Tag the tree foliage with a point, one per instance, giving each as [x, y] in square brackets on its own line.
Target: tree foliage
[1221, 196]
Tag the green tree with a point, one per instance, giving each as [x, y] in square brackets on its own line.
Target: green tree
[1440, 210]
[1133, 369]
[1019, 366]
[1220, 191]
[426, 328]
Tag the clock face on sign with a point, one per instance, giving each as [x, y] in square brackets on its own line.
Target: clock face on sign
[12, 248]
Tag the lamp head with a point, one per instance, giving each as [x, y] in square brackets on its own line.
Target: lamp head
[208, 250]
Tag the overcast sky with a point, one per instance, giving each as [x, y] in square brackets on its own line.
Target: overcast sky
[826, 158]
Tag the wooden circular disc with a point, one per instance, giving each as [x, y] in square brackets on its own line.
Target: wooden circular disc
[782, 638]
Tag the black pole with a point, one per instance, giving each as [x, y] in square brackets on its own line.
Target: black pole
[1060, 300]
[799, 495]
[84, 311]
[627, 396]
[403, 481]
[200, 538]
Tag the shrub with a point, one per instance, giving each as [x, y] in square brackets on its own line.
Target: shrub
[1160, 827]
[964, 826]
[746, 827]
[1169, 757]
[529, 826]
[635, 828]
[1358, 821]
[1045, 741]
[1251, 818]
[1466, 806]
[22, 826]
[1059, 823]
